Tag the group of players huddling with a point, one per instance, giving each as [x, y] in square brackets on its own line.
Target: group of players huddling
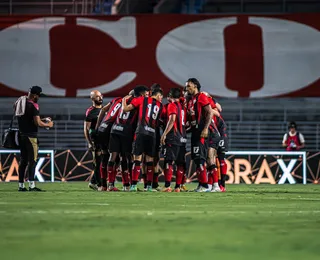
[126, 133]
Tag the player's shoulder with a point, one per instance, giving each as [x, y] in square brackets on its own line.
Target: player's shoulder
[116, 99]
[89, 110]
[203, 99]
[32, 104]
[203, 94]
[139, 99]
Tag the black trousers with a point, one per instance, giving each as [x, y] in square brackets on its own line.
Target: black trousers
[28, 157]
[97, 157]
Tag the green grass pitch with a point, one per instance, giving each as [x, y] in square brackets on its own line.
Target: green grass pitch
[69, 221]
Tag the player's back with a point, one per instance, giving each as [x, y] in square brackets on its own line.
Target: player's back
[177, 135]
[149, 114]
[113, 111]
[125, 122]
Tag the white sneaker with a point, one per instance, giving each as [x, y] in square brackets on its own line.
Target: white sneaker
[203, 189]
[93, 186]
[126, 188]
[215, 189]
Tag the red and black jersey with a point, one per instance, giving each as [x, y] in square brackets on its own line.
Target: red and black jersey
[196, 107]
[177, 134]
[164, 116]
[222, 126]
[213, 124]
[126, 122]
[92, 114]
[149, 113]
[219, 121]
[113, 111]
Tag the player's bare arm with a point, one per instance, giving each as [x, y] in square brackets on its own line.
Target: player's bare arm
[216, 112]
[40, 123]
[102, 113]
[209, 114]
[172, 119]
[284, 142]
[219, 107]
[125, 106]
[86, 129]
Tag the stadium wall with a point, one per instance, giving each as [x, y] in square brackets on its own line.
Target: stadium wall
[254, 56]
[246, 167]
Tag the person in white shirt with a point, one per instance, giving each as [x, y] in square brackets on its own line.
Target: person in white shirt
[293, 140]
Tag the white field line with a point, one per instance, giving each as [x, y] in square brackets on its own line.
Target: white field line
[141, 204]
[159, 212]
[82, 203]
[59, 203]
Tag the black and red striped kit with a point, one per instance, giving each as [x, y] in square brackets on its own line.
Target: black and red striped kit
[176, 139]
[122, 130]
[149, 113]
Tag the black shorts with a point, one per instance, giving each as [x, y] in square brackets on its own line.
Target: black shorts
[199, 147]
[175, 153]
[103, 137]
[120, 144]
[223, 145]
[214, 139]
[144, 144]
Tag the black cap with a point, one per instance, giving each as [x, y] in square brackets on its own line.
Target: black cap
[36, 90]
[292, 125]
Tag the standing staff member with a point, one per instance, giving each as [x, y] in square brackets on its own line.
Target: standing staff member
[90, 123]
[27, 112]
[293, 140]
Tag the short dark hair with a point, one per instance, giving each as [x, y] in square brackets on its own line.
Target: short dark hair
[138, 90]
[156, 91]
[195, 82]
[155, 86]
[292, 125]
[175, 93]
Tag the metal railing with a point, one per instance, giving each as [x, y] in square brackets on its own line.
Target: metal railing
[82, 7]
[242, 135]
[85, 7]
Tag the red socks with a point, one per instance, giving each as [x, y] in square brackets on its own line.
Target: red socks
[125, 178]
[223, 167]
[168, 172]
[136, 172]
[202, 175]
[215, 175]
[150, 171]
[180, 175]
[103, 172]
[111, 172]
[210, 178]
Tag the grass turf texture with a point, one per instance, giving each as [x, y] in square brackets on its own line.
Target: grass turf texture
[69, 221]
